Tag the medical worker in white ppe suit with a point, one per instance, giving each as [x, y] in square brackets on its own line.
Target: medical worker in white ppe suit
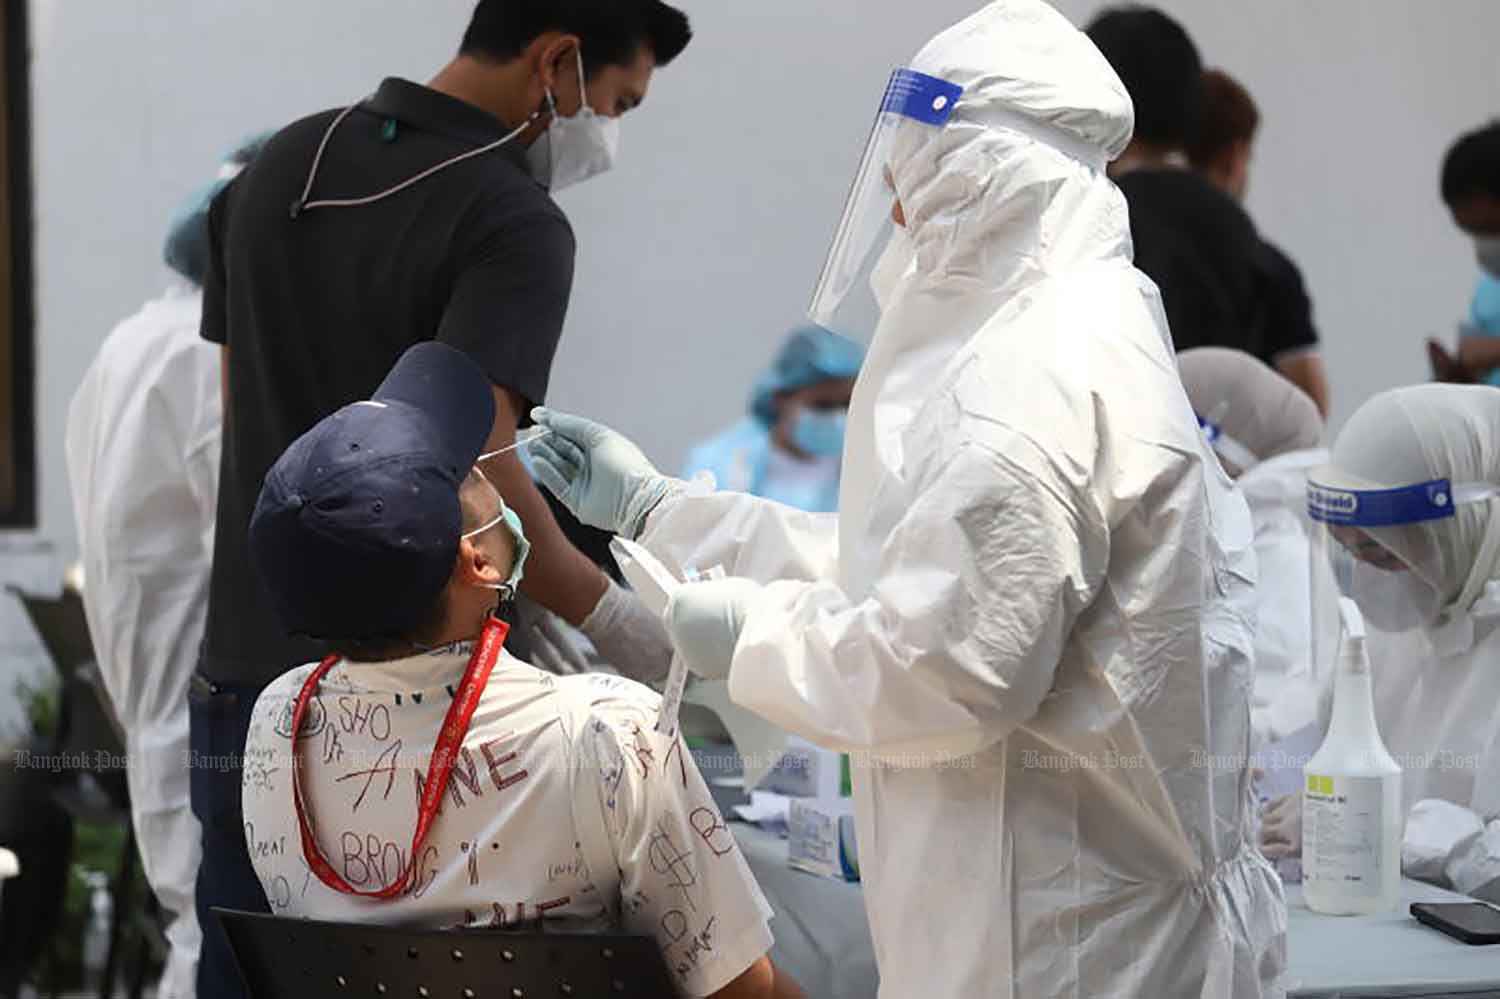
[1031, 617]
[1419, 550]
[1268, 435]
[143, 461]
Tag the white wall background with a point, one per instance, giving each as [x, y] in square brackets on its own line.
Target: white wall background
[702, 248]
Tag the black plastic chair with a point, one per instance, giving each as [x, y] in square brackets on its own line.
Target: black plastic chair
[281, 958]
[88, 729]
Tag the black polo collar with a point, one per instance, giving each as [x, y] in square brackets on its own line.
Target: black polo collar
[429, 110]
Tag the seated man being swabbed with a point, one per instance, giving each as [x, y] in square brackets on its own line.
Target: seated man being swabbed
[376, 534]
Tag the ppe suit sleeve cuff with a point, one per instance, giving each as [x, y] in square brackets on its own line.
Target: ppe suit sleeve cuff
[674, 490]
[1474, 869]
[1437, 832]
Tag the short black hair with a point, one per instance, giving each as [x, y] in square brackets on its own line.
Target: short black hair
[1472, 166]
[1228, 116]
[1160, 67]
[612, 31]
[384, 648]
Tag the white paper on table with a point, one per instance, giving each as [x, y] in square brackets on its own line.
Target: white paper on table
[766, 809]
[821, 838]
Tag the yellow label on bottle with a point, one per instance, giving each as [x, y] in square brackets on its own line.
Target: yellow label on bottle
[1319, 785]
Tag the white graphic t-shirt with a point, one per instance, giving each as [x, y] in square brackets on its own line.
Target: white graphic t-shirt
[564, 805]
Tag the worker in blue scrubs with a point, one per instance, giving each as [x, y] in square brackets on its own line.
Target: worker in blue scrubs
[790, 448]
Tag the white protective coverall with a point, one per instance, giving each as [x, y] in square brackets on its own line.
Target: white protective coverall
[143, 460]
[1031, 618]
[1248, 409]
[1285, 698]
[1437, 689]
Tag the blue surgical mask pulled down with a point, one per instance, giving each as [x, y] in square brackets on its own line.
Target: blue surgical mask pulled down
[820, 432]
[513, 525]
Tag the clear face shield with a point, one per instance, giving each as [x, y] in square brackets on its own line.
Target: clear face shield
[870, 252]
[1379, 546]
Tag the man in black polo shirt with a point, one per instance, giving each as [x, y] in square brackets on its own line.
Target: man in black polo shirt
[420, 213]
[1192, 239]
[1221, 149]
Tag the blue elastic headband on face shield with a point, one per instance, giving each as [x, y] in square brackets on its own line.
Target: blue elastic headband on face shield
[1423, 502]
[923, 98]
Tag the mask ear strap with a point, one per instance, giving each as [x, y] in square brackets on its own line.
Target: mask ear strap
[498, 518]
[549, 100]
[505, 598]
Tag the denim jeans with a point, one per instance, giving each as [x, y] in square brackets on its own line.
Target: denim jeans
[220, 720]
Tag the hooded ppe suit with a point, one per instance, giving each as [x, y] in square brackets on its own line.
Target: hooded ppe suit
[1253, 414]
[1242, 400]
[143, 460]
[1437, 686]
[1031, 620]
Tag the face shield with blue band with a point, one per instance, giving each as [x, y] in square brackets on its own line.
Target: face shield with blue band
[1380, 545]
[845, 300]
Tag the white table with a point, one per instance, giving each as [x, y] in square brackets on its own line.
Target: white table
[1385, 955]
[823, 940]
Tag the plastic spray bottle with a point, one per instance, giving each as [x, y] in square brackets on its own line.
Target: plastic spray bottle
[1351, 802]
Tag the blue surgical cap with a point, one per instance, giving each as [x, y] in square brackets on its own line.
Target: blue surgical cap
[186, 248]
[810, 355]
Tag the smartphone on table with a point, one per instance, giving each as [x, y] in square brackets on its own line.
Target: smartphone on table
[1475, 923]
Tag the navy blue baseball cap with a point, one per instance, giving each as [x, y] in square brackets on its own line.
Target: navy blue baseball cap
[357, 526]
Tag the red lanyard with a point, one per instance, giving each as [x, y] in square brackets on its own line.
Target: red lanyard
[450, 738]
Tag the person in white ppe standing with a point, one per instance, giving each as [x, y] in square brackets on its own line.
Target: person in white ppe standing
[1031, 618]
[143, 460]
[1268, 435]
[1411, 509]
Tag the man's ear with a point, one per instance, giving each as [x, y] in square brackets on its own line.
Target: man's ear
[551, 54]
[494, 559]
[474, 566]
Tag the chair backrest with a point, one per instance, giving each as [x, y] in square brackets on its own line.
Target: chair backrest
[62, 626]
[282, 958]
[89, 725]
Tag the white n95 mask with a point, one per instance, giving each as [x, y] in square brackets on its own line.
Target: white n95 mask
[1487, 249]
[897, 260]
[577, 148]
[1394, 602]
